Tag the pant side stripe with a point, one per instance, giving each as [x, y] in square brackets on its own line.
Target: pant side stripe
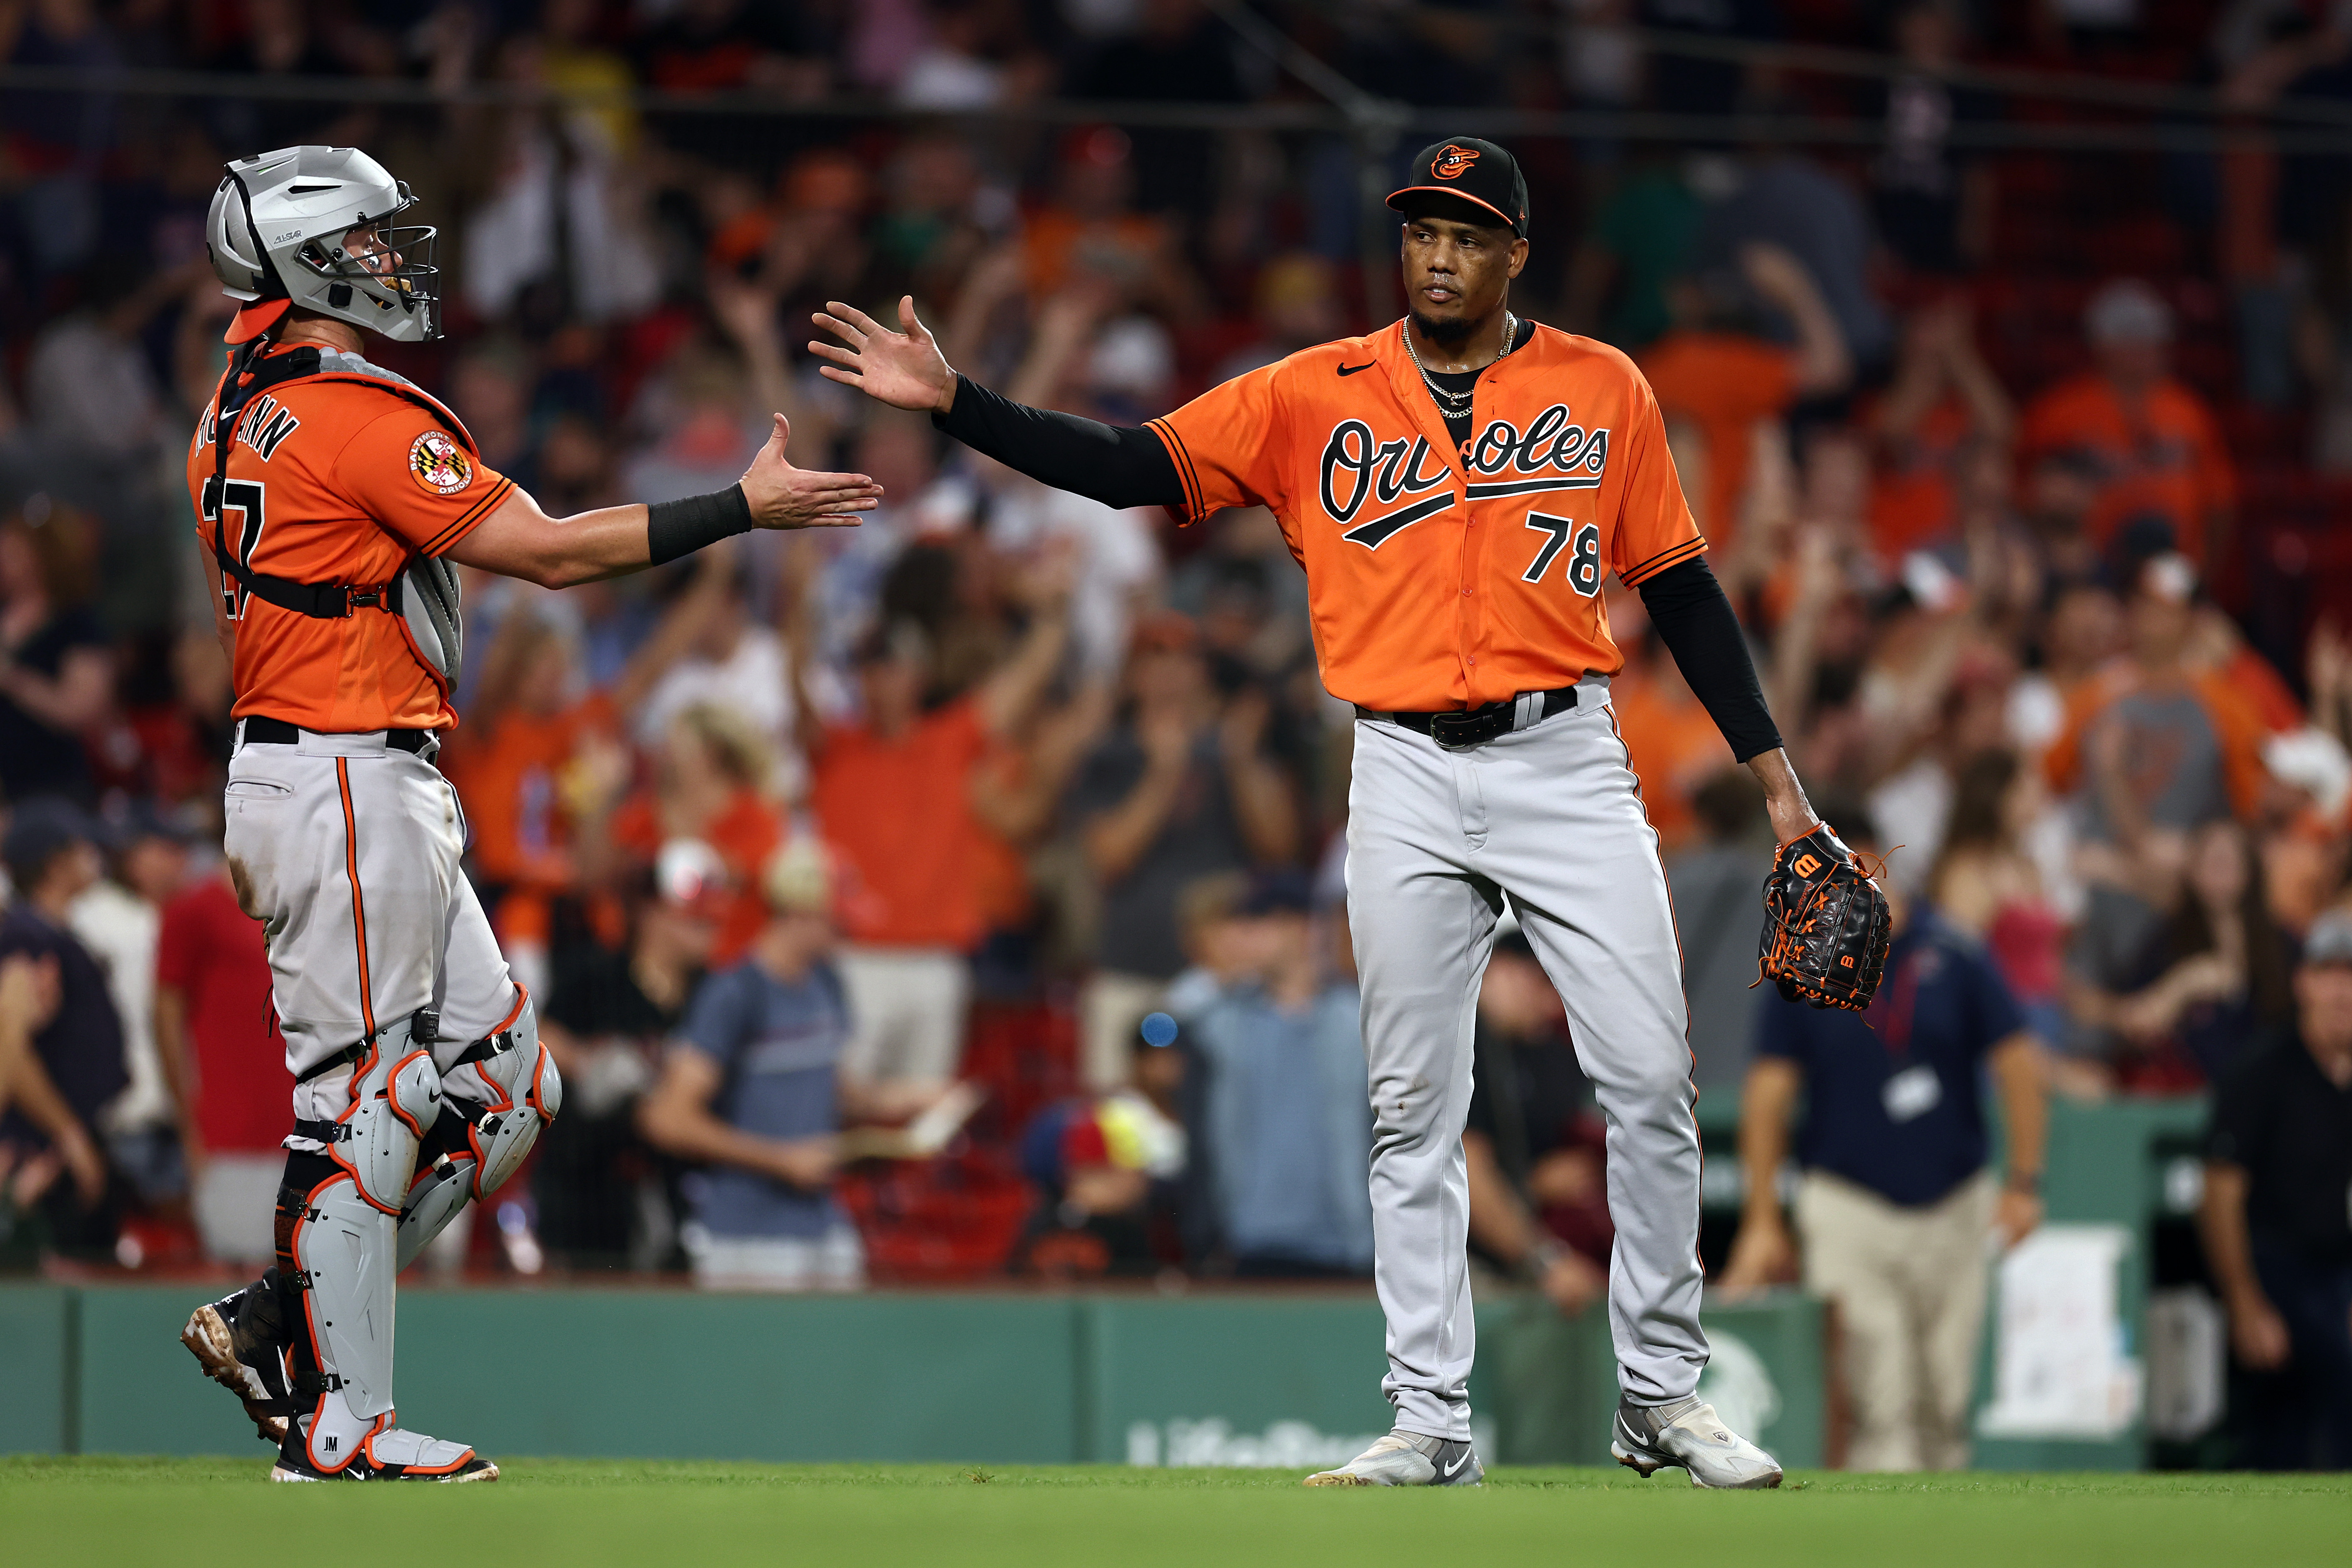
[358, 905]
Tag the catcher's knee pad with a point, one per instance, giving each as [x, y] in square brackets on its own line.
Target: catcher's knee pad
[443, 1185]
[506, 1087]
[340, 1247]
[395, 1097]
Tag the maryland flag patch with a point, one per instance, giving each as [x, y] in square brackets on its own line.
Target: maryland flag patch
[439, 463]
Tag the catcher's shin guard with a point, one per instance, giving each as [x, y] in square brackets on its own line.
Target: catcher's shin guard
[335, 1256]
[507, 1088]
[396, 1096]
[335, 1251]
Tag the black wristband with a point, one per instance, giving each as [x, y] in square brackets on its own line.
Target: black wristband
[675, 528]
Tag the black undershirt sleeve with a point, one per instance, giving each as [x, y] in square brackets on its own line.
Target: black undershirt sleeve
[1119, 465]
[1694, 619]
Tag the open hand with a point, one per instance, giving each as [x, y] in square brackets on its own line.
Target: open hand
[904, 369]
[783, 496]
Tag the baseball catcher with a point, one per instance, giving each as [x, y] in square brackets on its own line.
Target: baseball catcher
[333, 496]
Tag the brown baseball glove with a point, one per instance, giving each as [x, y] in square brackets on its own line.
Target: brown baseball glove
[1826, 924]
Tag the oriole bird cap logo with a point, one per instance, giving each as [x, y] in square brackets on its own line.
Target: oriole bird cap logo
[1452, 162]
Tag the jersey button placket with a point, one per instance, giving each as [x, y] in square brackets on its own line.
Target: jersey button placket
[1469, 622]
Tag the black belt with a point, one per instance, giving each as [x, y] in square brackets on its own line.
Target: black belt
[1470, 726]
[260, 730]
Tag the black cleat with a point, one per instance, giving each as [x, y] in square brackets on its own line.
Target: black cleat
[392, 1454]
[240, 1343]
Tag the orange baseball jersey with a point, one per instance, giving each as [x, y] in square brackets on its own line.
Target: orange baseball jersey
[1437, 579]
[336, 479]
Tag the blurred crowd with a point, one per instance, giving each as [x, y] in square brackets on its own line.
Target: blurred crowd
[851, 868]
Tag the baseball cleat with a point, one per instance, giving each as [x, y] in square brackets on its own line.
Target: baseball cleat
[1406, 1459]
[236, 1340]
[394, 1454]
[1647, 1438]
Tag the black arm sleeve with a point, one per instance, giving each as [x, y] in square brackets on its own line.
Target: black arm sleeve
[1117, 465]
[1695, 621]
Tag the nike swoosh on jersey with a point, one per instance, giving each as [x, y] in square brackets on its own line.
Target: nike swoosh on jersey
[1353, 369]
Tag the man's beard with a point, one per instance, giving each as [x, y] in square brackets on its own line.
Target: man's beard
[1450, 333]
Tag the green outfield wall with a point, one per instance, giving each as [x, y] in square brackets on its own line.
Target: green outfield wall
[1240, 1378]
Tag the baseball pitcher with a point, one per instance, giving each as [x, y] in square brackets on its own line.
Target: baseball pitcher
[1458, 486]
[332, 497]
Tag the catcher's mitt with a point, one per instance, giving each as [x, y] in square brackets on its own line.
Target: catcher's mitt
[1826, 924]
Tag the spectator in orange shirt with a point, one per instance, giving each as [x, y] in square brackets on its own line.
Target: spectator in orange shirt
[1091, 235]
[710, 784]
[2155, 741]
[509, 757]
[2154, 749]
[1716, 370]
[893, 796]
[2152, 442]
[1944, 409]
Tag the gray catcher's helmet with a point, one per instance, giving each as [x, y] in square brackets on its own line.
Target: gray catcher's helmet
[278, 230]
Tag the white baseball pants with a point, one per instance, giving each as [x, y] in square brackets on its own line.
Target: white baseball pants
[347, 851]
[1551, 815]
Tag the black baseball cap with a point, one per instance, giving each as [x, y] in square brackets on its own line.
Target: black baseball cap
[39, 830]
[1478, 172]
[1278, 892]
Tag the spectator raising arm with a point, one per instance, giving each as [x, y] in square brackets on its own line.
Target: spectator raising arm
[676, 1117]
[1939, 354]
[1121, 836]
[1011, 692]
[1018, 804]
[1262, 803]
[1822, 364]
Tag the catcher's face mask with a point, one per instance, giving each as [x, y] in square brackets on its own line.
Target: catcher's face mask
[312, 226]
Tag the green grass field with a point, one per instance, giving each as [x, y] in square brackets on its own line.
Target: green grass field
[574, 1511]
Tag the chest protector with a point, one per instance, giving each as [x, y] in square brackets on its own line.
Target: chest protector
[424, 594]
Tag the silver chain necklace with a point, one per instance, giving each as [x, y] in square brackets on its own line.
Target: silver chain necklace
[1457, 404]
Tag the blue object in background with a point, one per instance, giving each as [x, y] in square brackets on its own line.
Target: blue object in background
[1159, 1029]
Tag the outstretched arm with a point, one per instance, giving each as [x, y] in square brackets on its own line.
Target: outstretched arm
[519, 540]
[1119, 466]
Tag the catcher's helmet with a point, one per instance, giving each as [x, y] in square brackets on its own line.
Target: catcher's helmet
[280, 231]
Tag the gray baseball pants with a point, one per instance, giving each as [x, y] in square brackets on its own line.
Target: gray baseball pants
[1550, 815]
